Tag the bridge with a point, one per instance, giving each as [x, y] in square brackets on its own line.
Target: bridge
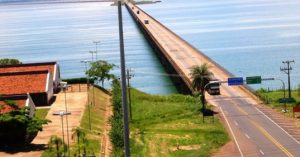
[174, 50]
[255, 129]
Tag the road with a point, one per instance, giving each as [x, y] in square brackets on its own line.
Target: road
[254, 133]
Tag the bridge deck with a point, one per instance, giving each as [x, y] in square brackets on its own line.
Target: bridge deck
[180, 54]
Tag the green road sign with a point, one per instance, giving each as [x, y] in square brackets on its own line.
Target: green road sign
[253, 80]
[286, 100]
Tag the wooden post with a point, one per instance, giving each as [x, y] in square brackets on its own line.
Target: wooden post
[293, 112]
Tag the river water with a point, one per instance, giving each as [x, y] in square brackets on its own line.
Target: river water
[65, 32]
[247, 37]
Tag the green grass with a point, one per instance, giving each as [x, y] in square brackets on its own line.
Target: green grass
[41, 113]
[97, 121]
[160, 123]
[271, 98]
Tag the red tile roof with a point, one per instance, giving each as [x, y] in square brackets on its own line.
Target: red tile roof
[23, 82]
[20, 100]
[29, 67]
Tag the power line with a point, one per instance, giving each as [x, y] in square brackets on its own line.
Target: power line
[287, 70]
[96, 42]
[129, 75]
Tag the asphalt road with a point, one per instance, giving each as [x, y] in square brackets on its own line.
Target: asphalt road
[254, 133]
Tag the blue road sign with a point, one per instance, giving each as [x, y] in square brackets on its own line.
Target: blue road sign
[234, 81]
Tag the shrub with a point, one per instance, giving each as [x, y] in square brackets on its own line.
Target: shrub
[117, 132]
[17, 127]
[55, 147]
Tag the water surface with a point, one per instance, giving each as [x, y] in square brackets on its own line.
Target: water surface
[65, 32]
[247, 37]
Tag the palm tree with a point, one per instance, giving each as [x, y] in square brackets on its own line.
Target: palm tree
[55, 142]
[82, 141]
[201, 76]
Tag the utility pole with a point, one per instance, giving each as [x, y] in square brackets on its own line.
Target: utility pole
[64, 86]
[67, 121]
[123, 83]
[94, 91]
[88, 90]
[92, 52]
[283, 87]
[96, 42]
[287, 70]
[62, 114]
[129, 75]
[62, 130]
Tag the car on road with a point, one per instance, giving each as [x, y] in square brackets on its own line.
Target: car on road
[213, 88]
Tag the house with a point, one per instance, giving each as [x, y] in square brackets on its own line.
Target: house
[39, 84]
[23, 100]
[52, 67]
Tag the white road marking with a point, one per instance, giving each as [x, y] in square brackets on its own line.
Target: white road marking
[277, 125]
[247, 136]
[237, 144]
[261, 152]
[236, 123]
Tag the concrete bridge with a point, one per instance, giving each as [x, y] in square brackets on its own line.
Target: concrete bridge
[173, 50]
[256, 129]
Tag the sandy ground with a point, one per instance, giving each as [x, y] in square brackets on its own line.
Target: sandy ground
[75, 102]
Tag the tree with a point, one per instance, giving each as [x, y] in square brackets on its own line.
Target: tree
[8, 61]
[17, 126]
[201, 76]
[82, 141]
[57, 144]
[100, 70]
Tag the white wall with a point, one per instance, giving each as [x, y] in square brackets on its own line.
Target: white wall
[56, 76]
[30, 104]
[49, 87]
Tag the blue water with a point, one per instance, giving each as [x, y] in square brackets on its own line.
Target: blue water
[247, 37]
[65, 33]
